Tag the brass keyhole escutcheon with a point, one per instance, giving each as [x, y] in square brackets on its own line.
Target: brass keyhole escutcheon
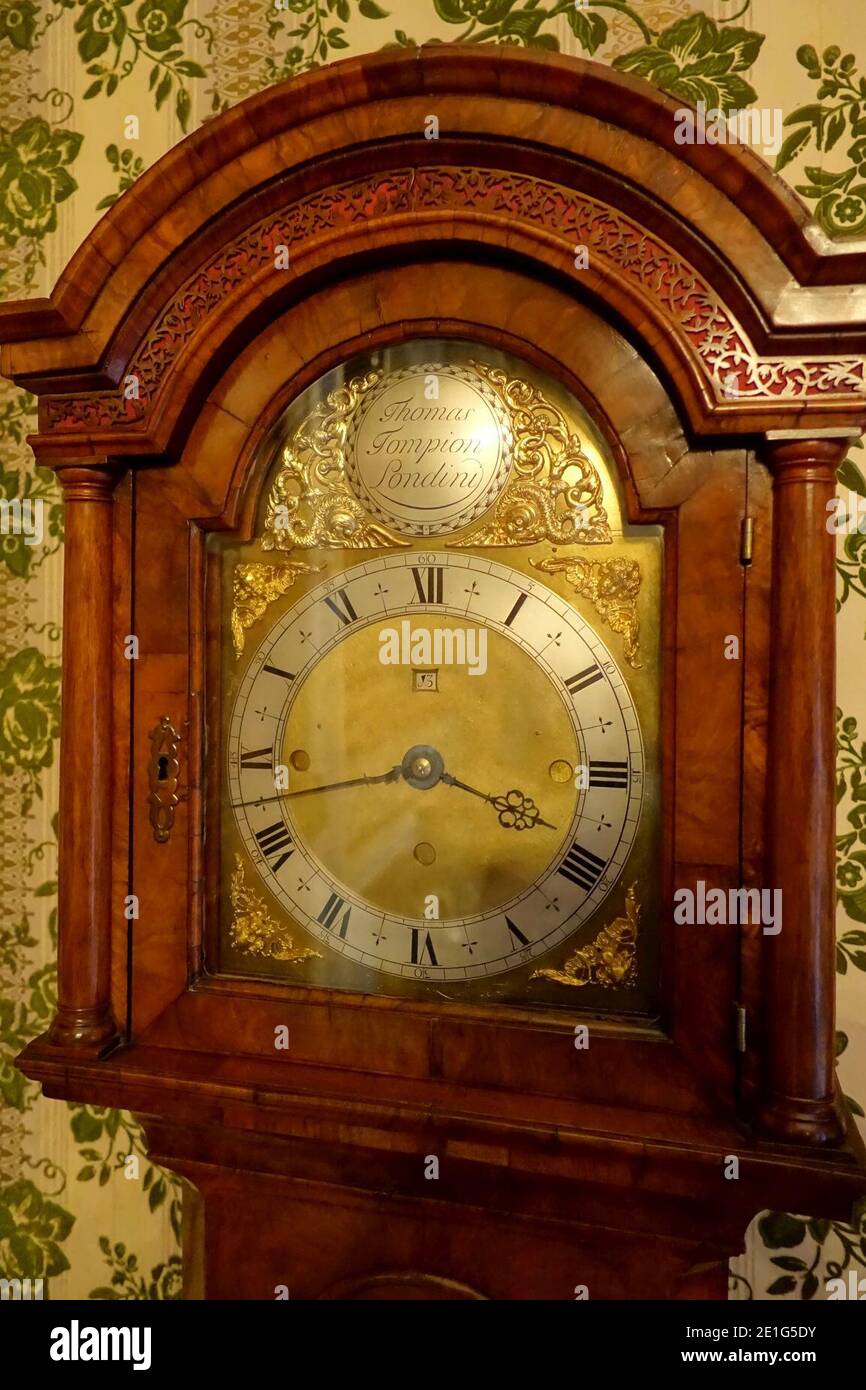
[163, 775]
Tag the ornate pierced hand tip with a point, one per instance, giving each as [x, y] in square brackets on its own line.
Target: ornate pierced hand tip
[518, 812]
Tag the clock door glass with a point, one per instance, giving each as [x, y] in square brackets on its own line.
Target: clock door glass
[440, 697]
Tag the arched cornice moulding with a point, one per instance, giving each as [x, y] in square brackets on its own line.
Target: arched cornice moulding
[705, 257]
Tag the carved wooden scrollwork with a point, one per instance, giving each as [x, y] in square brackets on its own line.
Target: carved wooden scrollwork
[651, 268]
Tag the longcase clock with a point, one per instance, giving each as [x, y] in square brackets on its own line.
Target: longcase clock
[484, 600]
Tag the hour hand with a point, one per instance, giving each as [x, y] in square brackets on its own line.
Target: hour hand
[516, 810]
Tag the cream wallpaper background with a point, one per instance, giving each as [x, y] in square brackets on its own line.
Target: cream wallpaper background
[92, 92]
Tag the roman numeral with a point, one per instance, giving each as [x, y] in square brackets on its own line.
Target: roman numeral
[278, 671]
[341, 606]
[516, 934]
[417, 956]
[273, 839]
[516, 609]
[582, 867]
[583, 679]
[331, 911]
[261, 757]
[429, 583]
[604, 774]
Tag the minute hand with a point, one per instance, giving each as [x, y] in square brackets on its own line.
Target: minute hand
[516, 810]
[326, 787]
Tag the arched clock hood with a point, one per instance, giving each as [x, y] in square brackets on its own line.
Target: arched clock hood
[700, 250]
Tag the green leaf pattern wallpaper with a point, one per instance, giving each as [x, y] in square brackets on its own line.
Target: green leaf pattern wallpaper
[92, 92]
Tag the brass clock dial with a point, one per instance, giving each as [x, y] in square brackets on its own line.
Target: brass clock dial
[435, 766]
[439, 769]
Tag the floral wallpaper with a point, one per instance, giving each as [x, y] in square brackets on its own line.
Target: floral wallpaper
[92, 92]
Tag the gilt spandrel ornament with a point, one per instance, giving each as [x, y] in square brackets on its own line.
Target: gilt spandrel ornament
[255, 931]
[611, 586]
[554, 492]
[310, 502]
[256, 586]
[608, 960]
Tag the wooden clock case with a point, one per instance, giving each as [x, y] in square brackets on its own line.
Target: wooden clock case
[717, 339]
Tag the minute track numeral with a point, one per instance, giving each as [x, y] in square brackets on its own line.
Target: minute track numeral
[583, 679]
[608, 774]
[272, 840]
[429, 583]
[260, 757]
[582, 867]
[341, 606]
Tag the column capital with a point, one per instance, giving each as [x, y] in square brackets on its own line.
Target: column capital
[804, 459]
[88, 481]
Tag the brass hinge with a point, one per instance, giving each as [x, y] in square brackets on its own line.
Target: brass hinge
[740, 1023]
[747, 530]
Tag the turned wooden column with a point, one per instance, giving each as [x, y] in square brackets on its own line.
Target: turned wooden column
[799, 963]
[84, 1020]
